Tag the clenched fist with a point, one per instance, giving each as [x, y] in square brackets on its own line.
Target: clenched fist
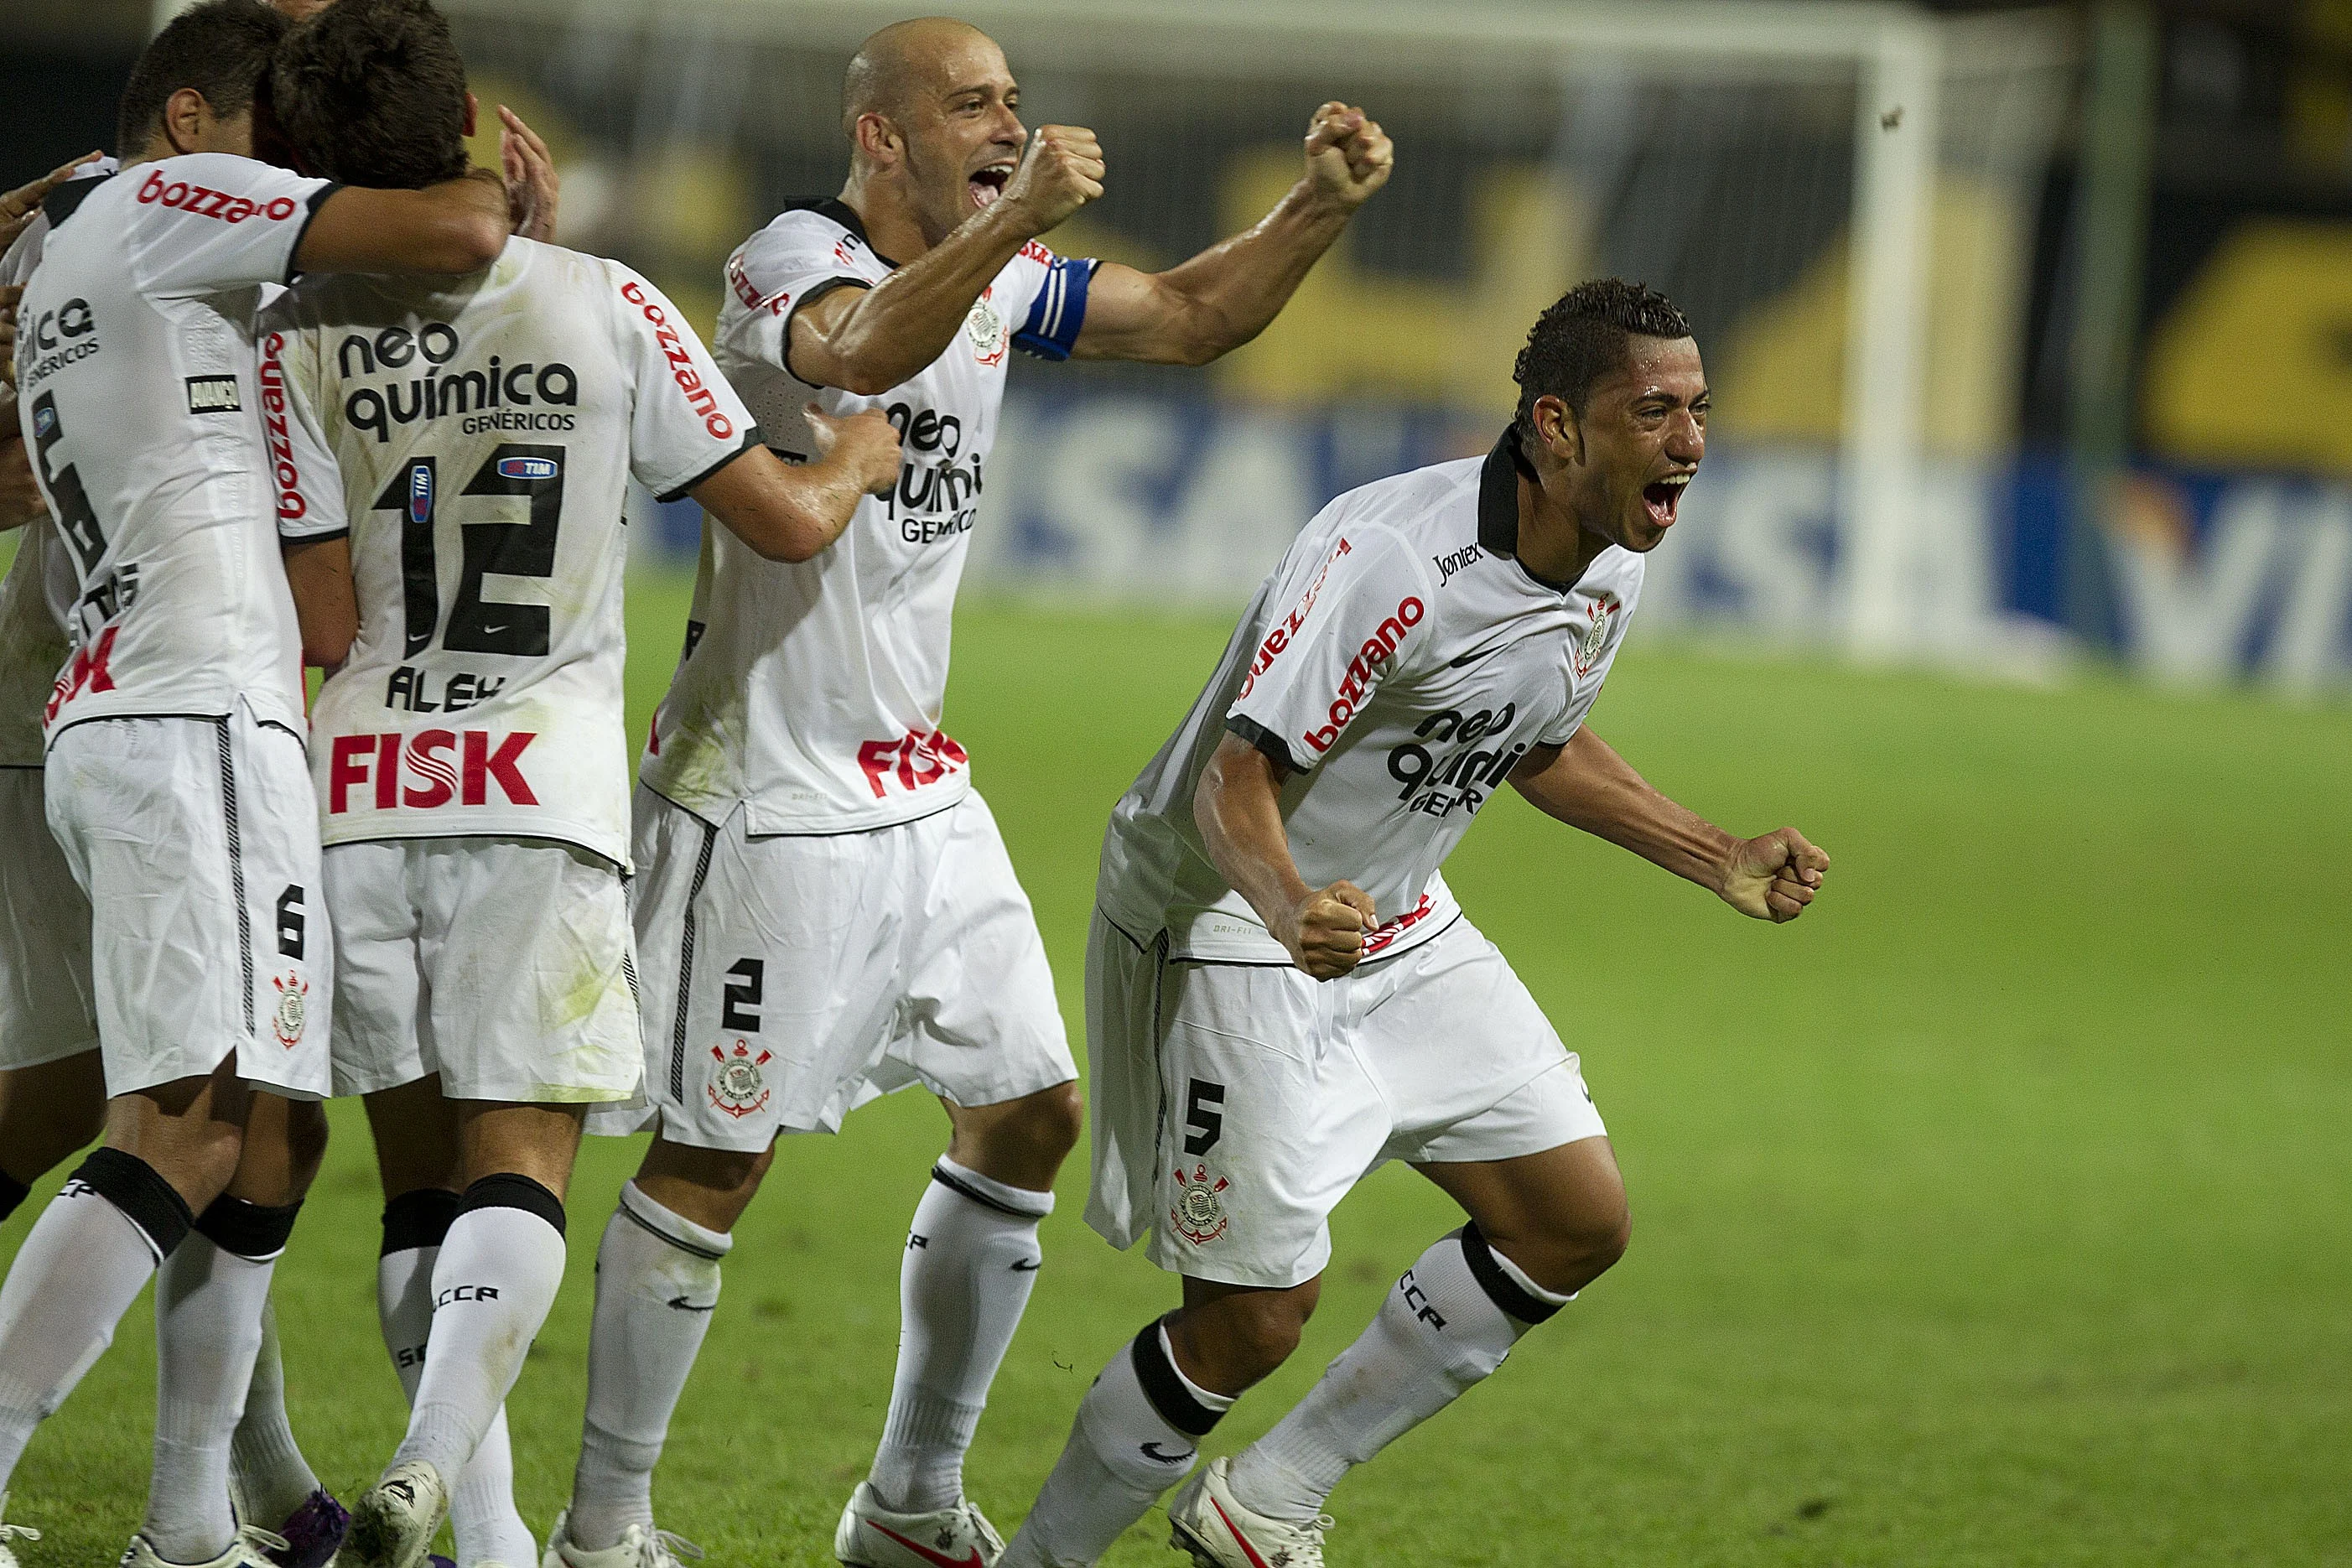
[1774, 877]
[866, 445]
[1348, 156]
[1324, 932]
[1061, 171]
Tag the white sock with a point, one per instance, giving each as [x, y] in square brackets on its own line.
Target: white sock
[272, 1474]
[656, 1288]
[500, 1267]
[1138, 1431]
[1441, 1329]
[208, 1305]
[970, 1262]
[482, 1514]
[82, 1265]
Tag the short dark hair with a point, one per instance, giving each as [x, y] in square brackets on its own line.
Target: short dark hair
[372, 92]
[1581, 338]
[220, 48]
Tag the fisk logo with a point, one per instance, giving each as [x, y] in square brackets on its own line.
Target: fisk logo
[913, 760]
[87, 672]
[377, 761]
[529, 468]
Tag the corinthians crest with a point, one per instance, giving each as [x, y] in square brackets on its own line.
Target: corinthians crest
[292, 1014]
[1605, 610]
[738, 1087]
[1198, 1214]
[985, 328]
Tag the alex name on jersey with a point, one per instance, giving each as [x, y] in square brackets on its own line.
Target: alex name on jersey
[1399, 663]
[135, 382]
[813, 693]
[476, 441]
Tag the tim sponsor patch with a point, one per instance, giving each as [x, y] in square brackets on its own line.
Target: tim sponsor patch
[213, 394]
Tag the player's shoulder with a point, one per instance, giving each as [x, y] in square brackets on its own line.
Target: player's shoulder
[810, 229]
[1420, 504]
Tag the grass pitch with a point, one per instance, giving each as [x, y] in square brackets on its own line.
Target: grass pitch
[1994, 1213]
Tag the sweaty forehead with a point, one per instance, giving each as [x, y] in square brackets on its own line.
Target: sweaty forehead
[1670, 365]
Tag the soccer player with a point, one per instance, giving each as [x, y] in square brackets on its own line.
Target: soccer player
[52, 1091]
[452, 458]
[1282, 995]
[827, 911]
[174, 779]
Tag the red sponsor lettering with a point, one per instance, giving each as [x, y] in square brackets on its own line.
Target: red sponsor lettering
[682, 370]
[291, 506]
[86, 672]
[1386, 931]
[1279, 638]
[913, 760]
[203, 201]
[358, 761]
[1362, 670]
[740, 281]
[1035, 252]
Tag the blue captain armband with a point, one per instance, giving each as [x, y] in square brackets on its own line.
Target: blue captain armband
[1059, 309]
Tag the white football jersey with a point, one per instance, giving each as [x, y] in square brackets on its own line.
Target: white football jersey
[482, 436]
[135, 384]
[40, 588]
[1400, 662]
[813, 693]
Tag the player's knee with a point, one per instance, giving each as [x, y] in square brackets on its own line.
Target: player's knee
[1583, 1244]
[1243, 1338]
[1050, 1121]
[306, 1140]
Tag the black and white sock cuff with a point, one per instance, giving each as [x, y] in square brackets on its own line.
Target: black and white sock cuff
[672, 1227]
[255, 1232]
[139, 1190]
[1175, 1396]
[1505, 1282]
[513, 1190]
[1020, 1202]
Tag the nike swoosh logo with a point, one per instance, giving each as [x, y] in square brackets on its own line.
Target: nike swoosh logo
[1247, 1549]
[683, 1305]
[972, 1559]
[1151, 1451]
[1470, 658]
[1029, 1266]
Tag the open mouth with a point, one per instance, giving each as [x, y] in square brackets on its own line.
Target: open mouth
[1663, 498]
[989, 183]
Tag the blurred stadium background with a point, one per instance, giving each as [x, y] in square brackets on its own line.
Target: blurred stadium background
[1996, 1214]
[1976, 282]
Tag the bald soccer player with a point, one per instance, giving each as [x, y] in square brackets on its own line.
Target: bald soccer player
[825, 911]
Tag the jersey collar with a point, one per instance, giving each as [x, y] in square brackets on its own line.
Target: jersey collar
[1498, 505]
[844, 214]
[62, 202]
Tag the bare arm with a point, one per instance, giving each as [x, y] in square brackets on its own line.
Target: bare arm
[787, 513]
[867, 341]
[325, 604]
[1238, 806]
[1587, 785]
[1225, 296]
[456, 227]
[20, 496]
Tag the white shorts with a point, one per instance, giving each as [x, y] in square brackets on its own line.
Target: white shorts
[1235, 1104]
[503, 964]
[46, 1009]
[790, 979]
[196, 843]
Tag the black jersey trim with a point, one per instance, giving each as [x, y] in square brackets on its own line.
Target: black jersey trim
[288, 541]
[64, 201]
[1265, 740]
[750, 438]
[840, 212]
[318, 199]
[1498, 505]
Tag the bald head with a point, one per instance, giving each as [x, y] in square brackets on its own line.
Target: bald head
[914, 60]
